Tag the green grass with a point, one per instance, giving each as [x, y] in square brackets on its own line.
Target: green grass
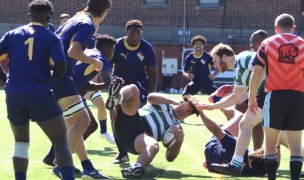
[187, 166]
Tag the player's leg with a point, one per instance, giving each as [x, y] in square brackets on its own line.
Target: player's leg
[147, 147]
[191, 88]
[130, 101]
[296, 155]
[60, 144]
[21, 147]
[93, 124]
[96, 98]
[271, 156]
[143, 88]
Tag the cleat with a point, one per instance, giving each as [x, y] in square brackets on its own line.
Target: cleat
[57, 172]
[108, 137]
[121, 159]
[113, 91]
[48, 161]
[76, 171]
[226, 169]
[93, 174]
[133, 172]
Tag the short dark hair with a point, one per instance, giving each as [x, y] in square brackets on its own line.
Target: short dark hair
[199, 38]
[40, 6]
[104, 40]
[285, 21]
[262, 33]
[193, 102]
[222, 49]
[134, 23]
[98, 7]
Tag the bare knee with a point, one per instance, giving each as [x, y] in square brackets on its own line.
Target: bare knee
[153, 148]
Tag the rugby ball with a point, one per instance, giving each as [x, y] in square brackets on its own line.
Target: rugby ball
[169, 138]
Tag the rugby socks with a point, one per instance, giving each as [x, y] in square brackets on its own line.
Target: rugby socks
[295, 164]
[237, 161]
[87, 164]
[103, 126]
[137, 165]
[20, 175]
[271, 165]
[67, 172]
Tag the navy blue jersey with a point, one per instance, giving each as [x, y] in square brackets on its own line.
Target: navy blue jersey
[29, 50]
[131, 62]
[91, 42]
[200, 66]
[86, 72]
[51, 27]
[79, 28]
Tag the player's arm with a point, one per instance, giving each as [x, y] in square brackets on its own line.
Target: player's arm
[173, 152]
[106, 77]
[159, 98]
[152, 78]
[59, 69]
[75, 51]
[186, 74]
[231, 99]
[256, 74]
[2, 74]
[215, 73]
[213, 127]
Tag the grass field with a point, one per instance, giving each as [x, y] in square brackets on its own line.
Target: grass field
[188, 166]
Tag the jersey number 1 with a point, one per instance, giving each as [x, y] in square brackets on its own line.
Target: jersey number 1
[30, 42]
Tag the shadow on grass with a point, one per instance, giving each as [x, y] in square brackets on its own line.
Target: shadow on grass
[105, 152]
[152, 173]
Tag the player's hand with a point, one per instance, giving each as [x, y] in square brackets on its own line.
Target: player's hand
[211, 77]
[98, 64]
[253, 106]
[221, 92]
[178, 133]
[190, 76]
[199, 108]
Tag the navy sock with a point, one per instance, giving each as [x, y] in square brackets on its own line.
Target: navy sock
[271, 165]
[87, 164]
[121, 149]
[67, 172]
[51, 153]
[20, 175]
[103, 126]
[295, 164]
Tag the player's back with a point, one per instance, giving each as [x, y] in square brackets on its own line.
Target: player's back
[29, 48]
[243, 67]
[285, 62]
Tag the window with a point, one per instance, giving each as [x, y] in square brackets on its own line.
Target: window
[209, 4]
[155, 3]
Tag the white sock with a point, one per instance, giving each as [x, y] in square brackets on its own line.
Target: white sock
[137, 165]
[237, 161]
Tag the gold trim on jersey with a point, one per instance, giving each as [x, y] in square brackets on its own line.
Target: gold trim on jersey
[128, 46]
[89, 69]
[198, 56]
[3, 56]
[36, 24]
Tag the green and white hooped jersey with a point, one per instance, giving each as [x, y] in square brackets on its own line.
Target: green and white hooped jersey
[159, 118]
[243, 68]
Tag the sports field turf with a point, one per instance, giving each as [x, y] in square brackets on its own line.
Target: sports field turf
[188, 166]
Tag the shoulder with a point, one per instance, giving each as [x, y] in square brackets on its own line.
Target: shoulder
[146, 44]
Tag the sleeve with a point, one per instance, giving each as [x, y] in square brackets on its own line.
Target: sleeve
[187, 63]
[209, 58]
[261, 58]
[56, 51]
[84, 34]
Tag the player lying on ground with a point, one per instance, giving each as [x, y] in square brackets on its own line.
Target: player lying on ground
[139, 130]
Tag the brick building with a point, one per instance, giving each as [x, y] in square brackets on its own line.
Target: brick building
[170, 24]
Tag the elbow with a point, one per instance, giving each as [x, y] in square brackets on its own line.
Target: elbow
[151, 97]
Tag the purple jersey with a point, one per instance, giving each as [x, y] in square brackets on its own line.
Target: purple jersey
[79, 28]
[29, 50]
[200, 65]
[130, 63]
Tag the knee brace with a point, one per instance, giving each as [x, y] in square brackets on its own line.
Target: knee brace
[95, 95]
[73, 109]
[21, 150]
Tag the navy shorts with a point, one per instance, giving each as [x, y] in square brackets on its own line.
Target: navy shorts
[64, 87]
[126, 128]
[38, 106]
[219, 151]
[202, 85]
[143, 88]
[284, 110]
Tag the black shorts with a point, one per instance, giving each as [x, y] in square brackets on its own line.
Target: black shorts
[126, 128]
[284, 110]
